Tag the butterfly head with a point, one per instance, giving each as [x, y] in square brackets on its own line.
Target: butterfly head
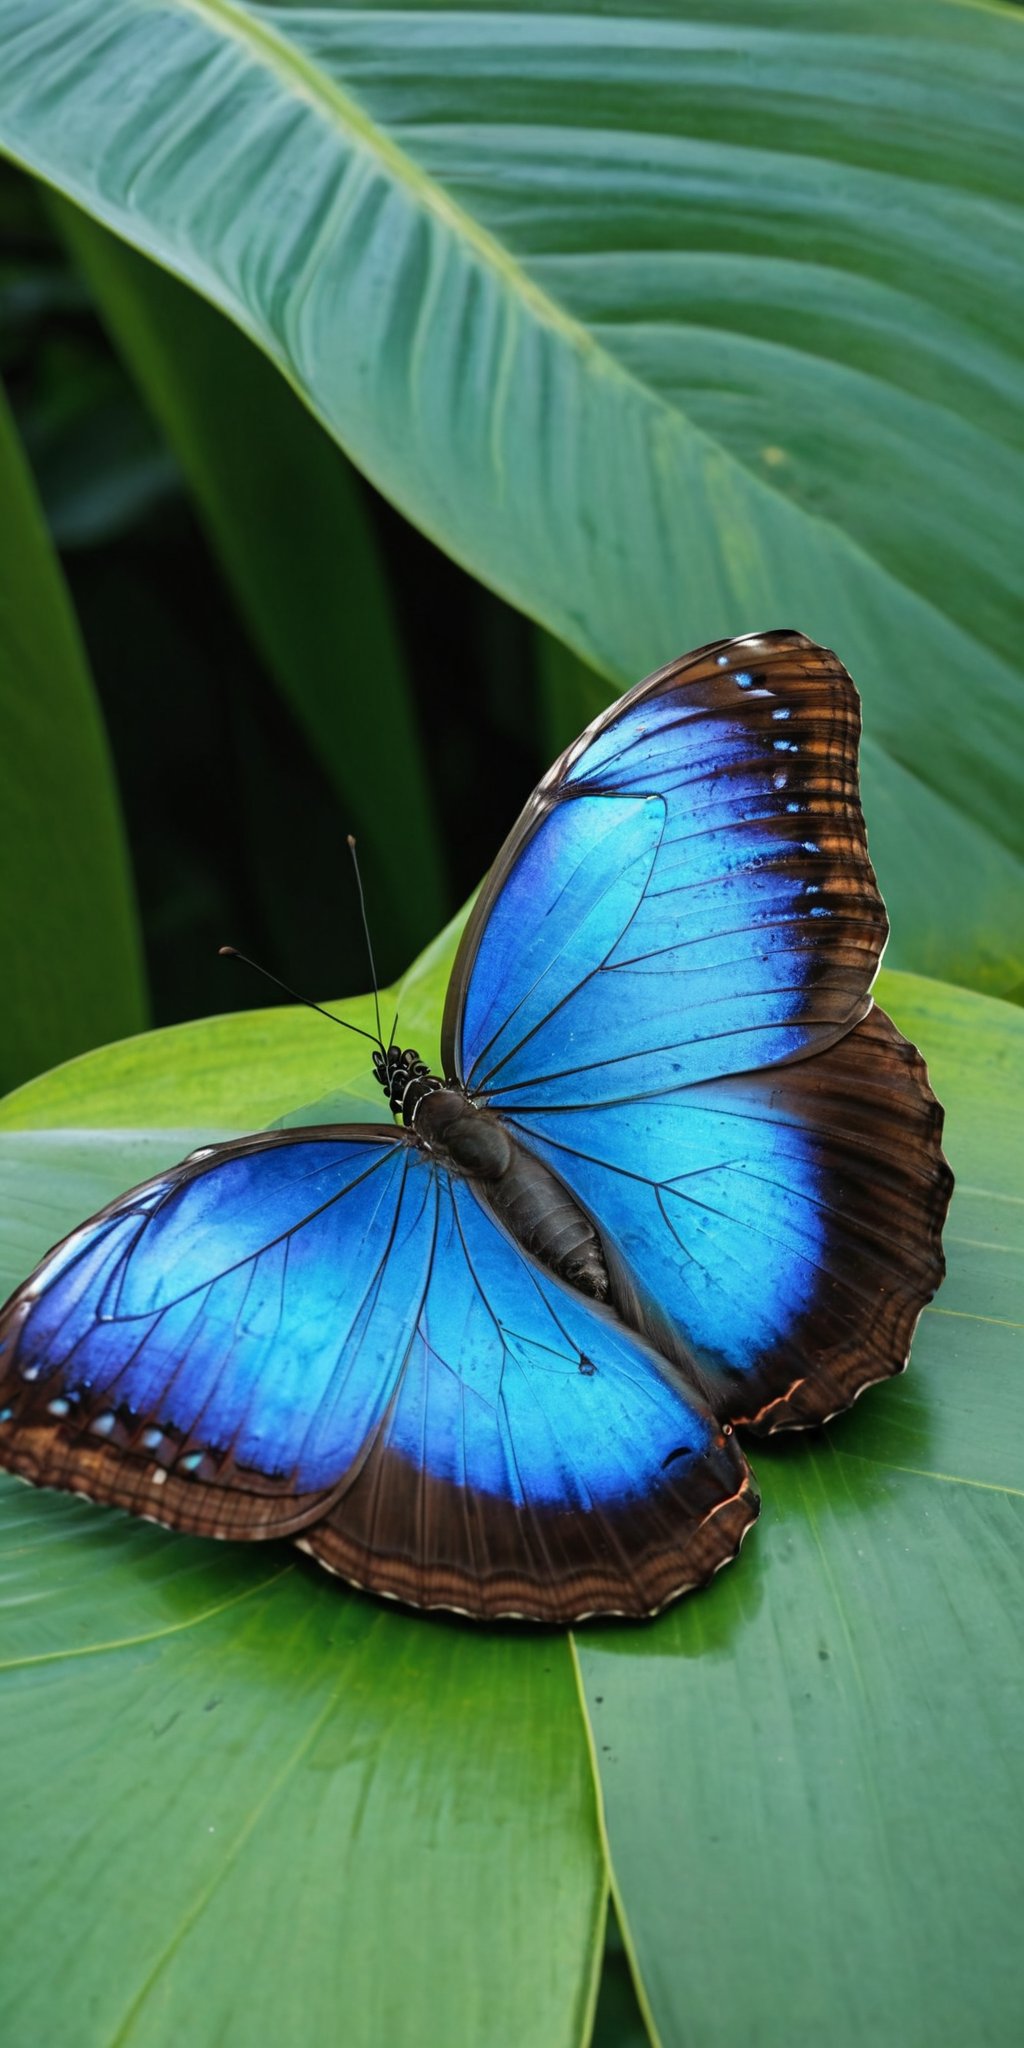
[405, 1079]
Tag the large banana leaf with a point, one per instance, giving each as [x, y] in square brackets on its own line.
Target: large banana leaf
[814, 1786]
[242, 1804]
[670, 320]
[72, 966]
[288, 521]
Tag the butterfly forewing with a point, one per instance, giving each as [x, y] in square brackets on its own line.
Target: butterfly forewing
[665, 989]
[688, 893]
[322, 1332]
[185, 1354]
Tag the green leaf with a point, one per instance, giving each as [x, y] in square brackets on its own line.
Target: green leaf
[570, 693]
[289, 525]
[670, 321]
[239, 1072]
[811, 1775]
[68, 935]
[242, 1803]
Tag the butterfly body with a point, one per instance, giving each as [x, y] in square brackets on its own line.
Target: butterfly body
[679, 1174]
[533, 1203]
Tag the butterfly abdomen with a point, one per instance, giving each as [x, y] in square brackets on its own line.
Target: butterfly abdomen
[531, 1201]
[539, 1211]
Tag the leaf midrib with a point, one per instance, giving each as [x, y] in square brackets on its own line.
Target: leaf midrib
[223, 1868]
[155, 1635]
[930, 1472]
[323, 93]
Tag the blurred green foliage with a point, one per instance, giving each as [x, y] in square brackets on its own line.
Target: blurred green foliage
[667, 323]
[67, 919]
[231, 758]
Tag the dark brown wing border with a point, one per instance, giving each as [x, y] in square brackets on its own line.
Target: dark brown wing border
[534, 1565]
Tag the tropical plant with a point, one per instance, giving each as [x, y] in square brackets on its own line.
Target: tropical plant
[664, 323]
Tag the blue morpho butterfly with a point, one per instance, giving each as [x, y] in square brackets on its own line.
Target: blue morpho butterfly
[680, 1175]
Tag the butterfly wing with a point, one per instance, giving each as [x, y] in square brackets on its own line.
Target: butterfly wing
[672, 1036]
[321, 1334]
[537, 1460]
[778, 1233]
[189, 1353]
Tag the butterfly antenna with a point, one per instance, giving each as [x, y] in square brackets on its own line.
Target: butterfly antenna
[232, 953]
[366, 935]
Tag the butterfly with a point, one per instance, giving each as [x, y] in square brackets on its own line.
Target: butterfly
[679, 1175]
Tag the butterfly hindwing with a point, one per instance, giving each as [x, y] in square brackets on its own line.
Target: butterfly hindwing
[778, 1232]
[324, 1334]
[665, 989]
[537, 1458]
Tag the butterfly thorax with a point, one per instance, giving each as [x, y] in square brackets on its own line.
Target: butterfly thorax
[469, 1139]
[405, 1079]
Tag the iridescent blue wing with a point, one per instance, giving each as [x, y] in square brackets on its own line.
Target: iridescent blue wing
[777, 1234]
[188, 1352]
[320, 1334]
[688, 899]
[686, 894]
[537, 1459]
